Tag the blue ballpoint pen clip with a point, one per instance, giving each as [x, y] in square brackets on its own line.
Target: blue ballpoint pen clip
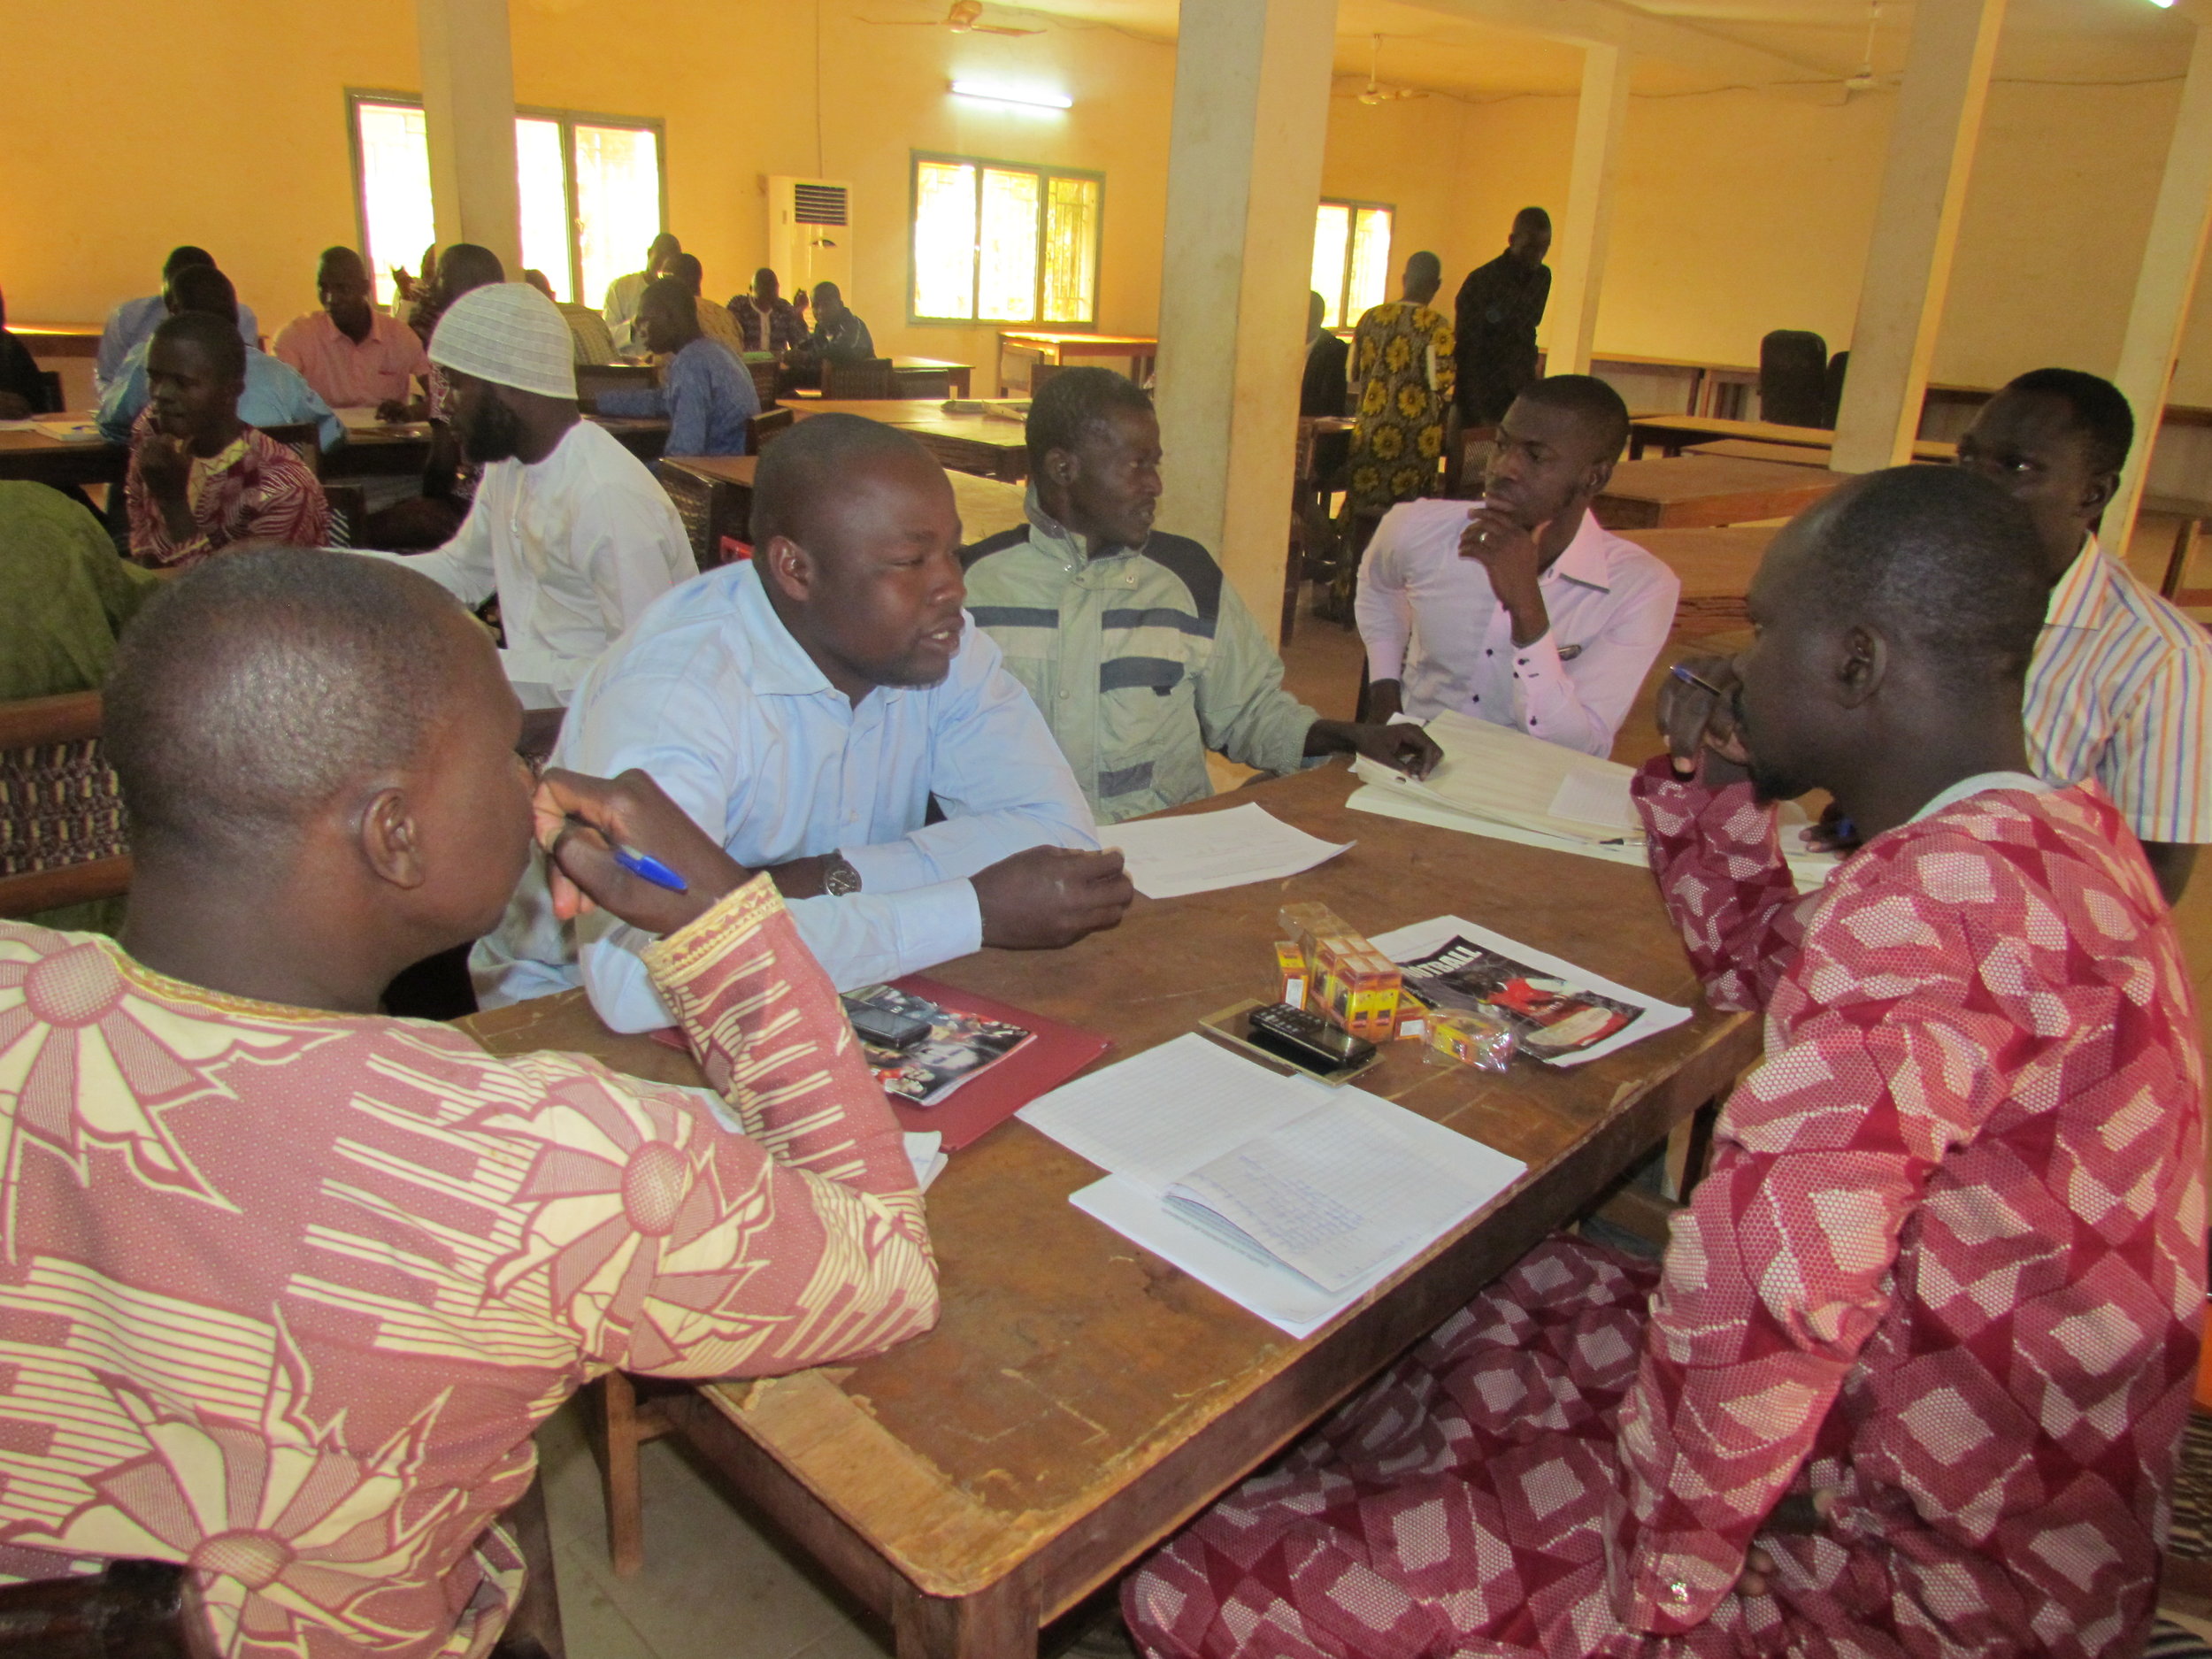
[647, 867]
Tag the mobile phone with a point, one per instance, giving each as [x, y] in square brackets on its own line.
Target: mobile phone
[1306, 1040]
[886, 1027]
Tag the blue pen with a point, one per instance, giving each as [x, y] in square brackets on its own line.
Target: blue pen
[1689, 679]
[643, 865]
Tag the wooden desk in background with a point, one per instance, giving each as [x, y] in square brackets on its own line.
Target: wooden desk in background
[1715, 565]
[919, 372]
[1140, 351]
[1081, 1398]
[1673, 434]
[1700, 489]
[723, 487]
[983, 444]
[60, 339]
[31, 457]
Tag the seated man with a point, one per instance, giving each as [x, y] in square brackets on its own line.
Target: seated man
[567, 526]
[2121, 686]
[200, 478]
[325, 1271]
[715, 321]
[624, 293]
[1911, 1376]
[705, 395]
[22, 385]
[275, 393]
[132, 324]
[783, 329]
[838, 336]
[1139, 651]
[809, 709]
[1520, 609]
[353, 354]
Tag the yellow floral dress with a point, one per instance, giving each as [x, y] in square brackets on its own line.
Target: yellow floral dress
[1402, 357]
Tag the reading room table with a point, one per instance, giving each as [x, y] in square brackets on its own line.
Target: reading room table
[1693, 490]
[1673, 434]
[30, 456]
[1080, 1399]
[717, 490]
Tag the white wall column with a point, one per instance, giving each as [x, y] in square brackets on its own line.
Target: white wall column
[1251, 117]
[468, 101]
[2172, 255]
[1577, 260]
[1931, 141]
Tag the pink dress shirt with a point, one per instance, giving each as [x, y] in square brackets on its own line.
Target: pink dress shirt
[1431, 622]
[350, 376]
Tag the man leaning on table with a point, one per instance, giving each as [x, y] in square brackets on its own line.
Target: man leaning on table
[825, 713]
[325, 1271]
[1520, 609]
[1131, 641]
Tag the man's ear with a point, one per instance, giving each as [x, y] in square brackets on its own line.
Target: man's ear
[1062, 468]
[2098, 495]
[787, 566]
[1601, 474]
[389, 839]
[1861, 665]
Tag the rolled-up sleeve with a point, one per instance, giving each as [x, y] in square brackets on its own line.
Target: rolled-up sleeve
[1382, 608]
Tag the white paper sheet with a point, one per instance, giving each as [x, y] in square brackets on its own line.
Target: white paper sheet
[1587, 796]
[1170, 857]
[1418, 939]
[1156, 1115]
[69, 431]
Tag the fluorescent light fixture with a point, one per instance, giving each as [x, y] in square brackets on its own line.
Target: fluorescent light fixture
[984, 94]
[2162, 4]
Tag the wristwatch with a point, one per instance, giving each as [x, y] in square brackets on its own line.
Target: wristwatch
[838, 877]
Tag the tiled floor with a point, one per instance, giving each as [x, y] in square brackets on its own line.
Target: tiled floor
[717, 1584]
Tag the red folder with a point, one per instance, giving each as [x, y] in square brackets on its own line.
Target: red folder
[1055, 1053]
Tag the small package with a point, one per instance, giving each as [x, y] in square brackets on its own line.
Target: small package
[1475, 1037]
[1291, 972]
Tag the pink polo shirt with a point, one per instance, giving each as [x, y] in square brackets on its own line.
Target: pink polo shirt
[350, 376]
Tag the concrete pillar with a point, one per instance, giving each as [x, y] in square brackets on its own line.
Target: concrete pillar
[2171, 257]
[468, 103]
[1251, 117]
[1578, 262]
[1931, 141]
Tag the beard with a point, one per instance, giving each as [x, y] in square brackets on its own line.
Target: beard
[493, 434]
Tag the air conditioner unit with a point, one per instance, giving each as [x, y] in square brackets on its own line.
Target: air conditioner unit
[810, 232]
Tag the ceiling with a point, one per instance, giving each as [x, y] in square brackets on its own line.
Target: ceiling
[1489, 48]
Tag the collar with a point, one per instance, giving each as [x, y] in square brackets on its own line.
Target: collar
[1062, 542]
[778, 664]
[1587, 560]
[1977, 784]
[2081, 596]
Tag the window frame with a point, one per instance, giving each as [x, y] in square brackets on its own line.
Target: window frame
[1044, 173]
[569, 121]
[1354, 208]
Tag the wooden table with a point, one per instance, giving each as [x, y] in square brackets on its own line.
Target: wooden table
[914, 374]
[1715, 565]
[1673, 434]
[986, 445]
[60, 339]
[724, 498]
[32, 456]
[1081, 1398]
[1140, 351]
[1704, 489]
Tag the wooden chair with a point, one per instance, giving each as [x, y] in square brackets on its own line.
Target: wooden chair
[764, 375]
[763, 429]
[62, 835]
[348, 513]
[924, 383]
[1793, 377]
[869, 377]
[694, 500]
[51, 379]
[303, 438]
[1041, 372]
[619, 1424]
[132, 1610]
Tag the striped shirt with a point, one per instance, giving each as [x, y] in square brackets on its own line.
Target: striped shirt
[2120, 690]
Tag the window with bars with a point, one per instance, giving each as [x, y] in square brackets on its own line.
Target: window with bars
[592, 191]
[1351, 260]
[998, 242]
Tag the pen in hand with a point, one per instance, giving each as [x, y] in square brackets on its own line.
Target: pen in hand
[1702, 684]
[641, 865]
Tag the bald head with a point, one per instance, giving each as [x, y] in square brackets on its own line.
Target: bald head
[251, 693]
[467, 265]
[341, 283]
[799, 475]
[212, 334]
[202, 288]
[1425, 274]
[685, 268]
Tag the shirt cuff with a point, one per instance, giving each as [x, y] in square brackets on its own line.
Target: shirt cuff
[888, 866]
[1385, 660]
[1540, 687]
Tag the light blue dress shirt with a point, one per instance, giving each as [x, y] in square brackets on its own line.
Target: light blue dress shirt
[705, 395]
[132, 324]
[276, 394]
[711, 696]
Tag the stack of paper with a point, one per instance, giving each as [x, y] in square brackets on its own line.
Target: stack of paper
[69, 431]
[1170, 857]
[1291, 1198]
[1507, 784]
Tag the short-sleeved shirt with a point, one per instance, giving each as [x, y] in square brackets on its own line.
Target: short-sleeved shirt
[350, 375]
[2120, 689]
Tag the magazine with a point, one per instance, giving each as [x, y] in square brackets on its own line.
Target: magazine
[958, 1047]
[1552, 1016]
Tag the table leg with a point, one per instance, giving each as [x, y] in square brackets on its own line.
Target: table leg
[1000, 1623]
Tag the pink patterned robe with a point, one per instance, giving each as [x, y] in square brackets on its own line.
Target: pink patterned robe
[283, 1294]
[1948, 1265]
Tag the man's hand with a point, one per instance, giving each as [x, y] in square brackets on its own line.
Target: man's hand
[1509, 555]
[1798, 1513]
[1698, 726]
[1051, 896]
[163, 464]
[578, 817]
[1834, 832]
[1400, 746]
[393, 410]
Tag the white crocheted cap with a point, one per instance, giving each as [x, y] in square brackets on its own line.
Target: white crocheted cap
[509, 334]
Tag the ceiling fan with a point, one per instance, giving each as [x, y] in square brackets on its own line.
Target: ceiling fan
[1866, 80]
[1375, 91]
[965, 17]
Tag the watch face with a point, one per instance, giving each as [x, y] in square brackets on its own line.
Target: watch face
[840, 878]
